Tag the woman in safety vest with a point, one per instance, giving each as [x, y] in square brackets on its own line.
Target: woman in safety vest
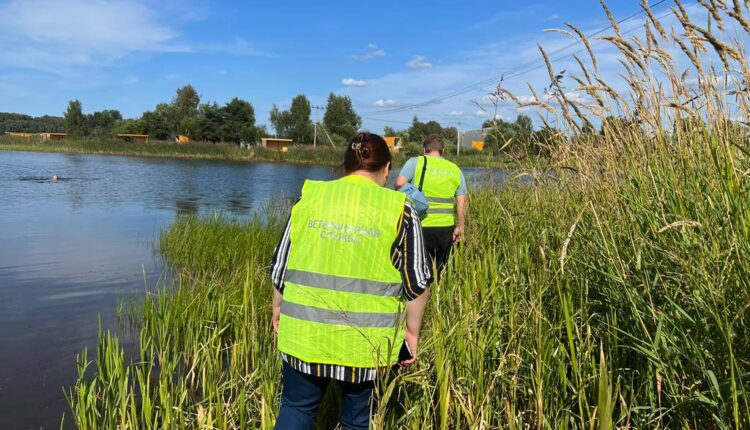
[351, 277]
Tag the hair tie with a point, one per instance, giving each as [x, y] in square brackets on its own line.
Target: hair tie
[356, 146]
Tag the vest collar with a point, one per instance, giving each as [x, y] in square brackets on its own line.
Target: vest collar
[359, 179]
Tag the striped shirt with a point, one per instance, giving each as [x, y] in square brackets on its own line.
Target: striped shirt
[408, 257]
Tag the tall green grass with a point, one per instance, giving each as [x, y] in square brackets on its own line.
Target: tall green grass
[616, 297]
[608, 307]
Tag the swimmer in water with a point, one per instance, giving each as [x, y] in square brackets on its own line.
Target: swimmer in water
[55, 178]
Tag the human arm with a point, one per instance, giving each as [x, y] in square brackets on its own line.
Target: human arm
[401, 181]
[407, 173]
[461, 205]
[414, 314]
[278, 271]
[276, 310]
[416, 272]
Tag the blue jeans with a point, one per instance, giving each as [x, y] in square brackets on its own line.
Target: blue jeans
[301, 398]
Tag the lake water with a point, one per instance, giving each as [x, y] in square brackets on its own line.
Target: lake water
[70, 249]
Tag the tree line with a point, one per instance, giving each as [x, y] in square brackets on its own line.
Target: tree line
[29, 124]
[235, 122]
[232, 122]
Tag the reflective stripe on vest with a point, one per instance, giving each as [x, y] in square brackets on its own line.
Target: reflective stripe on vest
[432, 211]
[341, 283]
[448, 201]
[442, 179]
[349, 319]
[342, 296]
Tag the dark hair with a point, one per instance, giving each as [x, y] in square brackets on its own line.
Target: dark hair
[366, 151]
[434, 143]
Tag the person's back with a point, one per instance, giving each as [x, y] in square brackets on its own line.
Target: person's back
[444, 185]
[347, 265]
[342, 233]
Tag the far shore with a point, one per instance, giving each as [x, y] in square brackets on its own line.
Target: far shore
[229, 152]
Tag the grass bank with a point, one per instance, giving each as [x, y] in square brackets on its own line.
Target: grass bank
[208, 151]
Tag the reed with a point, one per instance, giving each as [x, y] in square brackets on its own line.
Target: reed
[614, 297]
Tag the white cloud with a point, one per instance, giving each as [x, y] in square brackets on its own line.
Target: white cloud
[385, 102]
[64, 37]
[419, 62]
[554, 17]
[456, 113]
[526, 99]
[372, 52]
[351, 82]
[487, 114]
[473, 71]
[45, 34]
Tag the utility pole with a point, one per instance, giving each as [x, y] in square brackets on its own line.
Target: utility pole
[458, 139]
[315, 125]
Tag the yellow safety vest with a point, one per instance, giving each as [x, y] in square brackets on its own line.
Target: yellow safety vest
[441, 180]
[342, 296]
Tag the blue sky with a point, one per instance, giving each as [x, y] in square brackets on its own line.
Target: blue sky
[131, 54]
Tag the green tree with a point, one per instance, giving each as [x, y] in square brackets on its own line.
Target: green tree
[261, 131]
[28, 124]
[299, 115]
[211, 119]
[159, 122]
[281, 122]
[238, 121]
[185, 103]
[340, 119]
[191, 126]
[507, 136]
[128, 126]
[294, 123]
[100, 124]
[75, 120]
[419, 131]
[390, 131]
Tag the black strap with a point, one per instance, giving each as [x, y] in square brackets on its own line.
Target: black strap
[424, 169]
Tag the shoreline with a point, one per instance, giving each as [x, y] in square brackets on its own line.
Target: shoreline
[224, 152]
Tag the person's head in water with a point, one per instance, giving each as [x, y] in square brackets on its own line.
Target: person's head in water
[55, 178]
[433, 144]
[368, 155]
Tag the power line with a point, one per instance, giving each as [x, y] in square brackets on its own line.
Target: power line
[386, 120]
[515, 71]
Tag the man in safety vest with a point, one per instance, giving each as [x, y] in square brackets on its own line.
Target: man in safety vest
[350, 276]
[444, 185]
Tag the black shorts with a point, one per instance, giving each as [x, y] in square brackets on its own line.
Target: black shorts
[438, 242]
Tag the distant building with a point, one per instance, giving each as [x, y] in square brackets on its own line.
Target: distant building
[276, 143]
[393, 141]
[53, 136]
[133, 137]
[19, 134]
[474, 139]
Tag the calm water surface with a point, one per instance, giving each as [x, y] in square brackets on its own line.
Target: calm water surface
[70, 249]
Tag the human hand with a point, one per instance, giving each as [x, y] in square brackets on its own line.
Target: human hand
[458, 234]
[275, 319]
[413, 343]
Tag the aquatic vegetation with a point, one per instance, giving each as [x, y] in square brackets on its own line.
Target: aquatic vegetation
[616, 297]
